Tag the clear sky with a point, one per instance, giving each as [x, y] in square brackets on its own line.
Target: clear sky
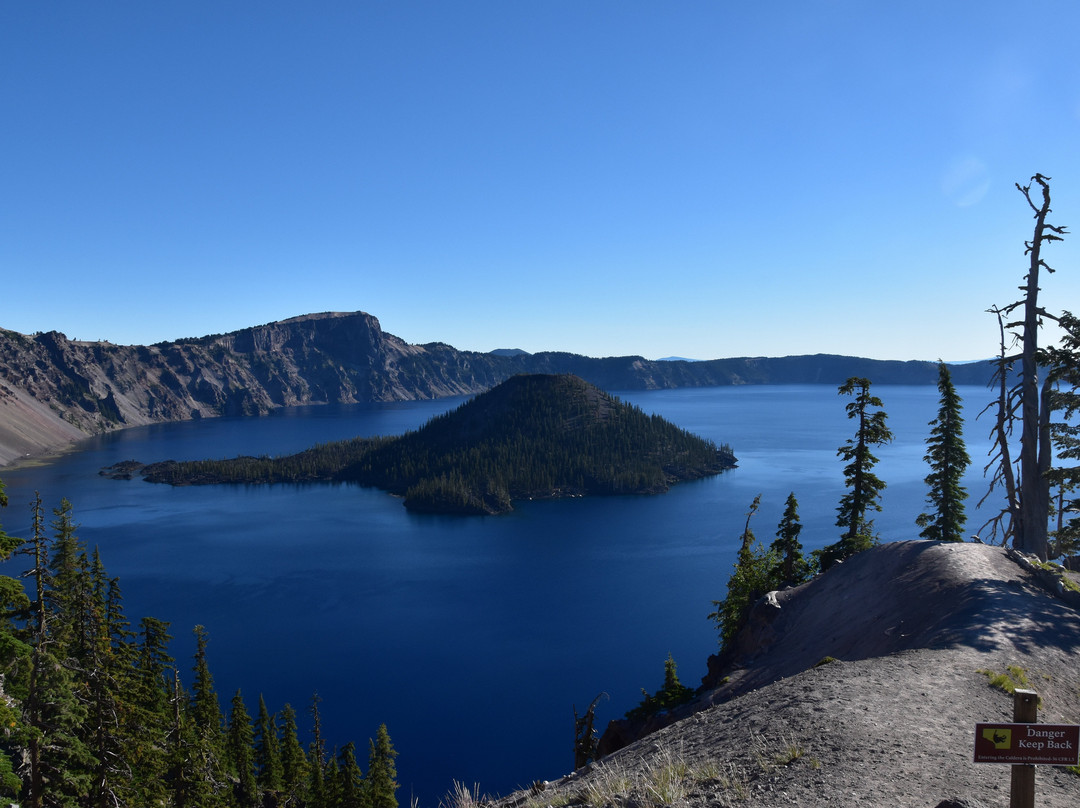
[608, 177]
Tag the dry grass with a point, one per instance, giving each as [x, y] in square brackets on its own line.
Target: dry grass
[461, 796]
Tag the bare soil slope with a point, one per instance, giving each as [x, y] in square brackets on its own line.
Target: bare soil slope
[890, 721]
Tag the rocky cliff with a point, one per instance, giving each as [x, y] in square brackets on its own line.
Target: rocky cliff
[54, 390]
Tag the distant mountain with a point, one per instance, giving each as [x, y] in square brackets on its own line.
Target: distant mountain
[54, 390]
[531, 437]
[509, 352]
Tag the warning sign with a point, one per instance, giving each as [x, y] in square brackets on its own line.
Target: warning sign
[1033, 744]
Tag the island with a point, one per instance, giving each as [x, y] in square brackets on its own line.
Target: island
[530, 437]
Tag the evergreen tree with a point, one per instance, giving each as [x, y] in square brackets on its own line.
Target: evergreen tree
[381, 782]
[316, 758]
[1064, 363]
[204, 737]
[753, 577]
[14, 662]
[294, 764]
[672, 694]
[8, 544]
[331, 788]
[240, 739]
[350, 790]
[108, 683]
[948, 459]
[864, 487]
[150, 712]
[268, 752]
[65, 595]
[58, 763]
[792, 567]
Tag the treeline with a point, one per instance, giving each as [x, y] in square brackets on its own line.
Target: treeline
[321, 463]
[530, 437]
[93, 712]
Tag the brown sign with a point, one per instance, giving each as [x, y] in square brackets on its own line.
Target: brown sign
[1032, 744]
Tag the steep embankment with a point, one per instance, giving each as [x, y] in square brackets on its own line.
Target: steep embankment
[911, 628]
[54, 390]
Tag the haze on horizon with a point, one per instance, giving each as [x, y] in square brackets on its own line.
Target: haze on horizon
[608, 178]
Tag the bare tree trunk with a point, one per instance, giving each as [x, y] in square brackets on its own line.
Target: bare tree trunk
[1008, 520]
[1034, 439]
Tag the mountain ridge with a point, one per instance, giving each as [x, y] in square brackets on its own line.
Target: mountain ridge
[54, 390]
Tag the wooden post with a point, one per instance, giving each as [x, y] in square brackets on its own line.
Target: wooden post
[1025, 711]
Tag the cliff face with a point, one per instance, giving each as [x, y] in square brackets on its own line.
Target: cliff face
[54, 390]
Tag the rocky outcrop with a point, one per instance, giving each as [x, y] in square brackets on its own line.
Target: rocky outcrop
[54, 390]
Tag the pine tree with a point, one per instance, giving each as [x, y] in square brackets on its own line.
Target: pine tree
[792, 567]
[1064, 363]
[267, 752]
[108, 682]
[205, 769]
[331, 788]
[294, 764]
[8, 544]
[316, 758]
[864, 487]
[241, 754]
[57, 762]
[948, 459]
[150, 712]
[381, 781]
[14, 660]
[753, 577]
[65, 595]
[672, 694]
[350, 779]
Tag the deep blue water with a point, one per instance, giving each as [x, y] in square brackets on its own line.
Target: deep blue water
[472, 638]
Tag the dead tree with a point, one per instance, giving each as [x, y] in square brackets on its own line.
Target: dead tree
[1028, 491]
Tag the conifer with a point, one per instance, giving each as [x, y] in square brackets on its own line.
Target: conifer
[948, 459]
[381, 781]
[150, 711]
[239, 744]
[350, 790]
[753, 576]
[294, 764]
[267, 751]
[792, 567]
[204, 733]
[864, 487]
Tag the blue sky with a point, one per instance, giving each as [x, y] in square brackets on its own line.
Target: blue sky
[700, 179]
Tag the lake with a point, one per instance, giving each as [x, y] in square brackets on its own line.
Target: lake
[472, 638]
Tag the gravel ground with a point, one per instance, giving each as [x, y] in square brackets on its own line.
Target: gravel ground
[891, 721]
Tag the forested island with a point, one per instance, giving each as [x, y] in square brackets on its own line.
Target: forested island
[531, 437]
